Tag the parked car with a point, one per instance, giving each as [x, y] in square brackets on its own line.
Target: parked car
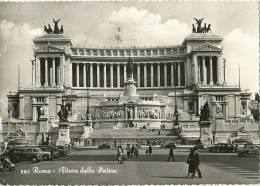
[33, 154]
[104, 146]
[249, 150]
[199, 146]
[223, 147]
[54, 152]
[62, 150]
[169, 145]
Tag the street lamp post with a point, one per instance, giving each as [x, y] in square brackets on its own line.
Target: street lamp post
[176, 130]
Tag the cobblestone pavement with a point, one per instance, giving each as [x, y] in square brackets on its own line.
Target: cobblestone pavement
[100, 167]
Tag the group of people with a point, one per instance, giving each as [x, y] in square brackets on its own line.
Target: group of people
[194, 162]
[193, 158]
[132, 151]
[149, 151]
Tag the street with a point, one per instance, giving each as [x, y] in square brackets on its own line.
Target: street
[100, 167]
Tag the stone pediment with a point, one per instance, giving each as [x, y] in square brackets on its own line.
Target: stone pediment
[48, 49]
[206, 48]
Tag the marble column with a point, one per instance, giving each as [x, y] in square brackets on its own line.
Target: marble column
[172, 74]
[138, 75]
[126, 113]
[135, 112]
[91, 74]
[124, 72]
[152, 84]
[34, 113]
[158, 75]
[165, 74]
[84, 75]
[179, 74]
[98, 79]
[218, 69]
[46, 72]
[105, 74]
[118, 75]
[33, 72]
[211, 71]
[77, 74]
[61, 75]
[53, 72]
[111, 75]
[195, 69]
[204, 71]
[145, 75]
[38, 72]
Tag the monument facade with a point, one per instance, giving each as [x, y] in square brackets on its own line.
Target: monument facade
[129, 92]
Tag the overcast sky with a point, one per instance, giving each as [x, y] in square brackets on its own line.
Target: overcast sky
[142, 24]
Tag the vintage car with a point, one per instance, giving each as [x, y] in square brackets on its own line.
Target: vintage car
[33, 154]
[249, 150]
[223, 147]
[169, 145]
[63, 150]
[104, 146]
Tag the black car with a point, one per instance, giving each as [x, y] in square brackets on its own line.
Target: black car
[223, 147]
[169, 145]
[104, 146]
[62, 150]
[199, 146]
[33, 154]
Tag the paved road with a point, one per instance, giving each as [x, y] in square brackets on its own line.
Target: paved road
[100, 167]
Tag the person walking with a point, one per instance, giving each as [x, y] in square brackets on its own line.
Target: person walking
[150, 150]
[119, 155]
[191, 162]
[197, 162]
[171, 156]
[132, 150]
[146, 151]
[128, 150]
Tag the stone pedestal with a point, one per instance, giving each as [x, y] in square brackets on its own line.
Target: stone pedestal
[43, 130]
[130, 87]
[205, 133]
[87, 129]
[64, 134]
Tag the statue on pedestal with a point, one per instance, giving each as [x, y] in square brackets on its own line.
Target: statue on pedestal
[205, 125]
[63, 114]
[204, 113]
[129, 68]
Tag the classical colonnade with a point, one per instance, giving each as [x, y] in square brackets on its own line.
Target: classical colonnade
[113, 75]
[47, 71]
[207, 69]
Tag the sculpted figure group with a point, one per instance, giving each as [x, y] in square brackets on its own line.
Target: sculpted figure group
[56, 29]
[108, 114]
[142, 113]
[201, 29]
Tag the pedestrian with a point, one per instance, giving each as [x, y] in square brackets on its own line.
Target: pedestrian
[197, 162]
[136, 152]
[132, 150]
[146, 151]
[128, 150]
[150, 150]
[191, 162]
[119, 155]
[171, 156]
